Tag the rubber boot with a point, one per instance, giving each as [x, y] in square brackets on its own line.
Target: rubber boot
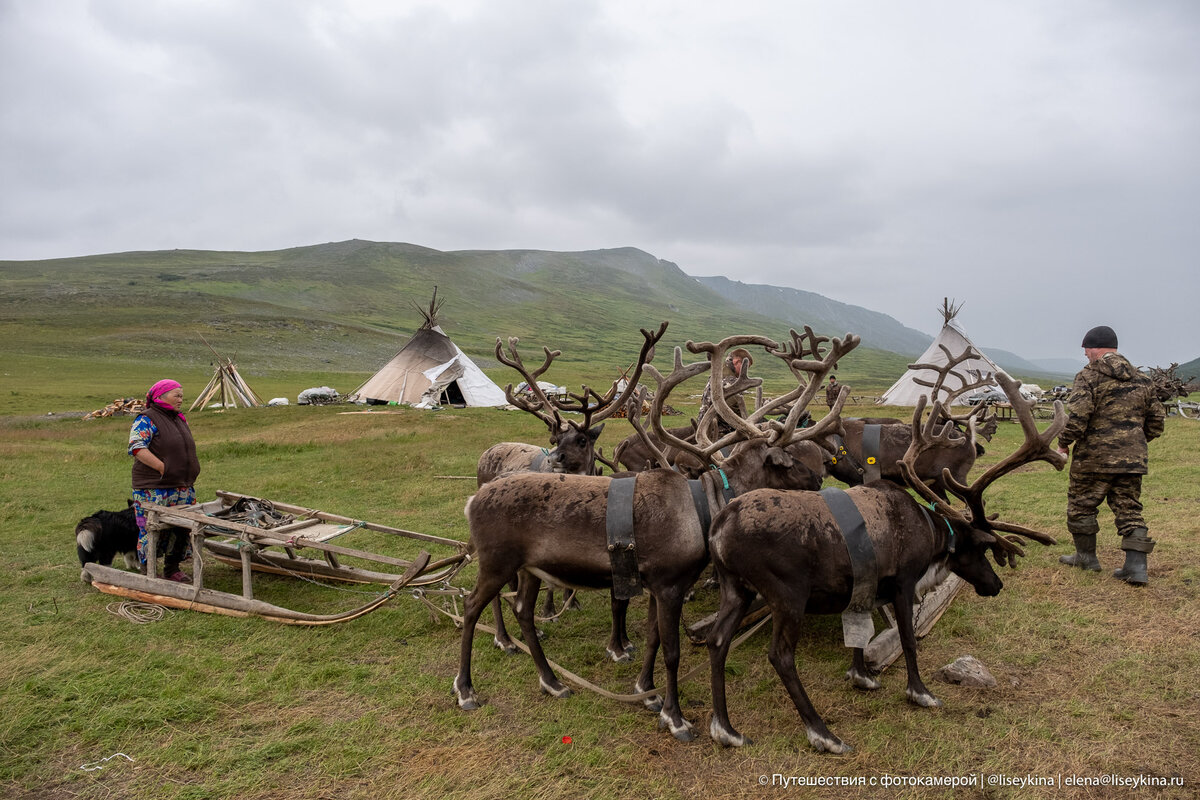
[1137, 544]
[1084, 556]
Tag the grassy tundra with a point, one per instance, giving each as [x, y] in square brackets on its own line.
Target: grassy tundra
[1096, 678]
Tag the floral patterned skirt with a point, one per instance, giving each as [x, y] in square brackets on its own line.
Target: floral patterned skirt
[161, 497]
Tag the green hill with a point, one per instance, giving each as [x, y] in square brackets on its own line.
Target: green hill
[342, 309]
[347, 306]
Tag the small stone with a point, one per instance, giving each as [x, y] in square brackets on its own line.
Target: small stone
[966, 671]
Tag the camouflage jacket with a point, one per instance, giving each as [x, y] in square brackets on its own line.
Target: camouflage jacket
[1113, 414]
[831, 393]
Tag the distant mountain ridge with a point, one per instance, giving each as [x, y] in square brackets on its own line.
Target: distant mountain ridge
[877, 329]
[346, 305]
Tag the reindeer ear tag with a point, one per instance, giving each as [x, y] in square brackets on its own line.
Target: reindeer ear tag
[871, 459]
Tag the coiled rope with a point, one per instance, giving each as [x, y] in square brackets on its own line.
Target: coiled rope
[138, 613]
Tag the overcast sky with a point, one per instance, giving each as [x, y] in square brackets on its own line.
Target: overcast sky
[1037, 161]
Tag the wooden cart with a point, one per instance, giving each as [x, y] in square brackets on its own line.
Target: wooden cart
[274, 549]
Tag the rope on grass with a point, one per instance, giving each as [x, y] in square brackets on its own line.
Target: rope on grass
[98, 765]
[137, 613]
[583, 683]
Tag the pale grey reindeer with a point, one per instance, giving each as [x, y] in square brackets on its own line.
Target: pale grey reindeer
[554, 527]
[574, 453]
[795, 549]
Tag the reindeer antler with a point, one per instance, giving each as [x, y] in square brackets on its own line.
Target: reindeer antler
[608, 404]
[809, 373]
[803, 357]
[547, 409]
[543, 409]
[1036, 447]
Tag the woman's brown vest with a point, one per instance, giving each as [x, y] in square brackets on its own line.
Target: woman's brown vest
[174, 445]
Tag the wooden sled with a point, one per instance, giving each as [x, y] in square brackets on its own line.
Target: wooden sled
[273, 550]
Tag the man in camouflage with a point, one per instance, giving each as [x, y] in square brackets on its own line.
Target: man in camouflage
[1114, 412]
[832, 390]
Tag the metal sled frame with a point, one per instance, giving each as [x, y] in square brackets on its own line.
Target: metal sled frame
[271, 550]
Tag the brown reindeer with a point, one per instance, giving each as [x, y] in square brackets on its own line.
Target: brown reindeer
[573, 454]
[794, 548]
[872, 449]
[555, 527]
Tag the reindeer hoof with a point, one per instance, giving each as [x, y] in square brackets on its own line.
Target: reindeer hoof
[554, 689]
[507, 647]
[654, 703]
[682, 730]
[861, 681]
[828, 743]
[620, 656]
[924, 699]
[726, 737]
[467, 700]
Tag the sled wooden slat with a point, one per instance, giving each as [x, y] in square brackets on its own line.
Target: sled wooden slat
[252, 549]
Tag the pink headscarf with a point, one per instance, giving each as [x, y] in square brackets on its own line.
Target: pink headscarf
[161, 388]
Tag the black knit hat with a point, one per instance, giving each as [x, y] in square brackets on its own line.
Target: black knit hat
[1100, 336]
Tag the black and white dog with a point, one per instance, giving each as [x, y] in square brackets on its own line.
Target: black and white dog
[104, 534]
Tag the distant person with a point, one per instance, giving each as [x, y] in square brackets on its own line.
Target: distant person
[733, 370]
[165, 467]
[1113, 414]
[832, 390]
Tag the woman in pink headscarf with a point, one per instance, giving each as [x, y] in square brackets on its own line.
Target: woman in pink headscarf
[165, 467]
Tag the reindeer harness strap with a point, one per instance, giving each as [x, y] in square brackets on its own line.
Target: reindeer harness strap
[700, 501]
[622, 550]
[870, 449]
[857, 626]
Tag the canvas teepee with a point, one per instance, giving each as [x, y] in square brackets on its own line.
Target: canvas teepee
[906, 391]
[227, 387]
[430, 370]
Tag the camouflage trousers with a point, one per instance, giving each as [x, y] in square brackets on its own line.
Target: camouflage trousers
[1089, 489]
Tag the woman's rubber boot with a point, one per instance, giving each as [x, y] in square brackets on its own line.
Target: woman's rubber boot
[1084, 556]
[1137, 544]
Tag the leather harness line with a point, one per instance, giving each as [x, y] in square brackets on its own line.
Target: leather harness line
[870, 448]
[622, 549]
[858, 544]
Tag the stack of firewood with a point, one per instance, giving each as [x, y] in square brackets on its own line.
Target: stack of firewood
[120, 407]
[668, 411]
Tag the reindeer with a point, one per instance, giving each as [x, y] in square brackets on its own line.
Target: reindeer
[554, 527]
[871, 449]
[574, 443]
[573, 454]
[793, 549]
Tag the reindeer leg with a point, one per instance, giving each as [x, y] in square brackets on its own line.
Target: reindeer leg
[916, 691]
[527, 592]
[502, 640]
[860, 674]
[645, 681]
[735, 602]
[548, 607]
[570, 600]
[783, 658]
[486, 589]
[619, 647]
[670, 609]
